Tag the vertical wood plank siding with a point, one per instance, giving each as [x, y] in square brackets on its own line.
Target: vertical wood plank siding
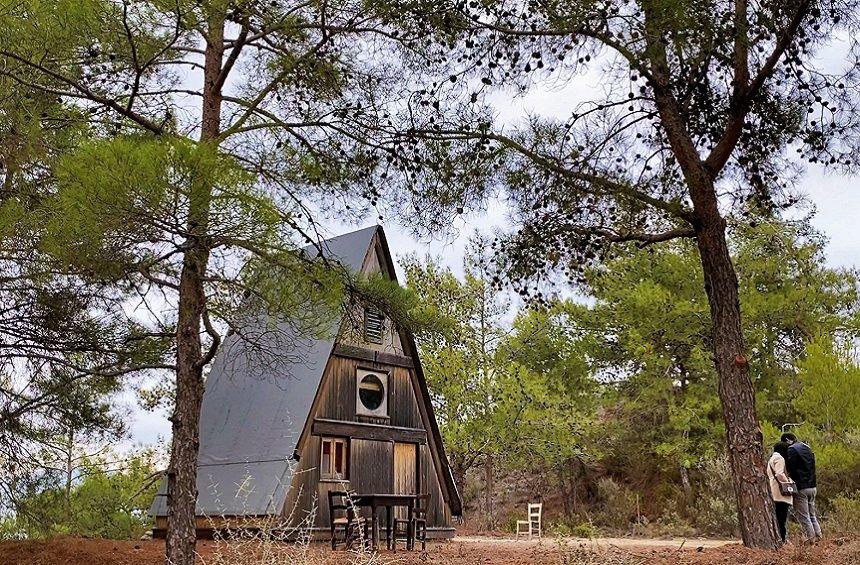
[371, 463]
[405, 410]
[438, 513]
[405, 469]
[372, 466]
[338, 395]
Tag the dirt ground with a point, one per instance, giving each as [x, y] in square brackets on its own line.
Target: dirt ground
[460, 551]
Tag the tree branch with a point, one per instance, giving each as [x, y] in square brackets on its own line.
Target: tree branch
[645, 239]
[216, 339]
[235, 51]
[602, 184]
[86, 93]
[741, 104]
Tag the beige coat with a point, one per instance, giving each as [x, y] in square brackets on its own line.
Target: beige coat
[776, 474]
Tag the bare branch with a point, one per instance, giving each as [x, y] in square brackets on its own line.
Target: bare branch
[235, 51]
[742, 101]
[216, 339]
[645, 239]
[599, 183]
[86, 93]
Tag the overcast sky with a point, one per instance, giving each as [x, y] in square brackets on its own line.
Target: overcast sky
[835, 198]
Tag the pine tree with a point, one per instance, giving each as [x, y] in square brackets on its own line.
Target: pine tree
[211, 132]
[698, 105]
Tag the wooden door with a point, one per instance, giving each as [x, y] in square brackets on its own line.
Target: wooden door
[405, 472]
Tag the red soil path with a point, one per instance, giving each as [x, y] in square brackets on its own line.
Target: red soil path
[469, 551]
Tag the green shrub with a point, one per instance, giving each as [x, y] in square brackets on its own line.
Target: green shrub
[101, 504]
[716, 515]
[560, 529]
[844, 515]
[714, 510]
[566, 528]
[510, 523]
[585, 530]
[617, 505]
[669, 524]
[10, 529]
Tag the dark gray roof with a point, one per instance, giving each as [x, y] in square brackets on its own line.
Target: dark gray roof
[350, 249]
[253, 415]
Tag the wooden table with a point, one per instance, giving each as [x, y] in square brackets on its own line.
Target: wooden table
[388, 501]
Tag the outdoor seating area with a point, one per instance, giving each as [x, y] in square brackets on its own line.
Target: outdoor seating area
[350, 526]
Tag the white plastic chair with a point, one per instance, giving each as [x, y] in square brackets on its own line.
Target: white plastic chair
[532, 525]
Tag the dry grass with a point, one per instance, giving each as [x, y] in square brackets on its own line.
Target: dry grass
[489, 551]
[582, 554]
[284, 540]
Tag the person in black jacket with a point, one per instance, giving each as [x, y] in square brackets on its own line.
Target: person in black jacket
[800, 464]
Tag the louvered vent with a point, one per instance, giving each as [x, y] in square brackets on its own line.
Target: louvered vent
[374, 325]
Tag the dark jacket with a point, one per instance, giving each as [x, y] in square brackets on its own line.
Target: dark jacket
[801, 465]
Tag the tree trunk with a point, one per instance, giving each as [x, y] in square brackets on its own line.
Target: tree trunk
[743, 435]
[744, 438]
[181, 539]
[575, 466]
[458, 470]
[688, 490]
[489, 480]
[565, 493]
[182, 476]
[70, 472]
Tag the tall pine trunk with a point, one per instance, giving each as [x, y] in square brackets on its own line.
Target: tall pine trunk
[182, 475]
[737, 394]
[181, 539]
[743, 435]
[70, 475]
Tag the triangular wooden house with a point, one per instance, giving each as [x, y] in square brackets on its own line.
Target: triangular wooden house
[351, 412]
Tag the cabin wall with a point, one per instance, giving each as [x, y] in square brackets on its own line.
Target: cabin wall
[352, 332]
[337, 399]
[437, 510]
[307, 499]
[372, 466]
[371, 462]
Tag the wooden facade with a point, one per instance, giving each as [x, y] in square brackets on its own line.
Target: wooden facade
[386, 455]
[395, 453]
[360, 420]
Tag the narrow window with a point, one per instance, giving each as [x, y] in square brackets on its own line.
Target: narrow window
[374, 326]
[333, 459]
[325, 462]
[338, 458]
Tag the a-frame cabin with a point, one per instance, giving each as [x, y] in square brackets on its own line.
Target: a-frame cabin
[351, 412]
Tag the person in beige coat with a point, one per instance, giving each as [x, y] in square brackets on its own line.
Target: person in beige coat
[776, 474]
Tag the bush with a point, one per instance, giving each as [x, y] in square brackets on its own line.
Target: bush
[714, 511]
[10, 529]
[585, 530]
[844, 515]
[101, 504]
[617, 504]
[510, 523]
[716, 516]
[566, 529]
[670, 524]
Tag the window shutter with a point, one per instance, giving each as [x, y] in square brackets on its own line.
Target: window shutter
[374, 326]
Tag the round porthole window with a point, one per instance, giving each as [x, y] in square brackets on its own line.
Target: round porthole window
[371, 392]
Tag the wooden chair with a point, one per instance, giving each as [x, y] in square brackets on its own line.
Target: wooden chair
[344, 518]
[418, 528]
[533, 524]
